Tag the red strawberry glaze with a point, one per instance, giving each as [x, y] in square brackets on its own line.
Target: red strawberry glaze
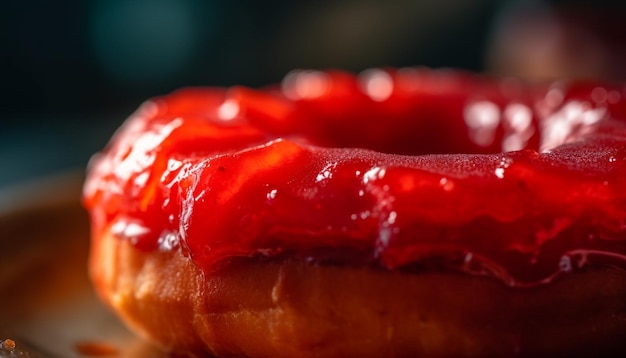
[453, 172]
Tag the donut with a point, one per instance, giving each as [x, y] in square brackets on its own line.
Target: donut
[393, 213]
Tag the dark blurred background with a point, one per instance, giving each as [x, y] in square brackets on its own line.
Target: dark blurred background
[72, 71]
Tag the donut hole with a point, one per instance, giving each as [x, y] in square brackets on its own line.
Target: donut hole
[409, 112]
[425, 127]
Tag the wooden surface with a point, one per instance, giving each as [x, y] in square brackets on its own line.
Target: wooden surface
[47, 304]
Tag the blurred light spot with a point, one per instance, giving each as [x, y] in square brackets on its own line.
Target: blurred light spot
[377, 84]
[305, 84]
[599, 95]
[554, 97]
[446, 184]
[482, 118]
[568, 122]
[513, 142]
[518, 127]
[141, 180]
[228, 110]
[593, 116]
[143, 40]
[518, 117]
[128, 230]
[614, 97]
[482, 114]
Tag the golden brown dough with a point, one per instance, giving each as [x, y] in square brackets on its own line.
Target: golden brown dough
[294, 309]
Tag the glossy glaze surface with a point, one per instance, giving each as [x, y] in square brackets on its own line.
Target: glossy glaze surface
[399, 168]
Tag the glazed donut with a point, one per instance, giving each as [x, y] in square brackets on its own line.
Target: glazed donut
[408, 212]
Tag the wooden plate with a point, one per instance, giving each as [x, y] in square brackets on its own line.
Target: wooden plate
[47, 306]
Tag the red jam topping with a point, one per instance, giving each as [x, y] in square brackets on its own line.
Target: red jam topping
[407, 168]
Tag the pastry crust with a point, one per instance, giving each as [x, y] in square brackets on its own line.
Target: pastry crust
[288, 308]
